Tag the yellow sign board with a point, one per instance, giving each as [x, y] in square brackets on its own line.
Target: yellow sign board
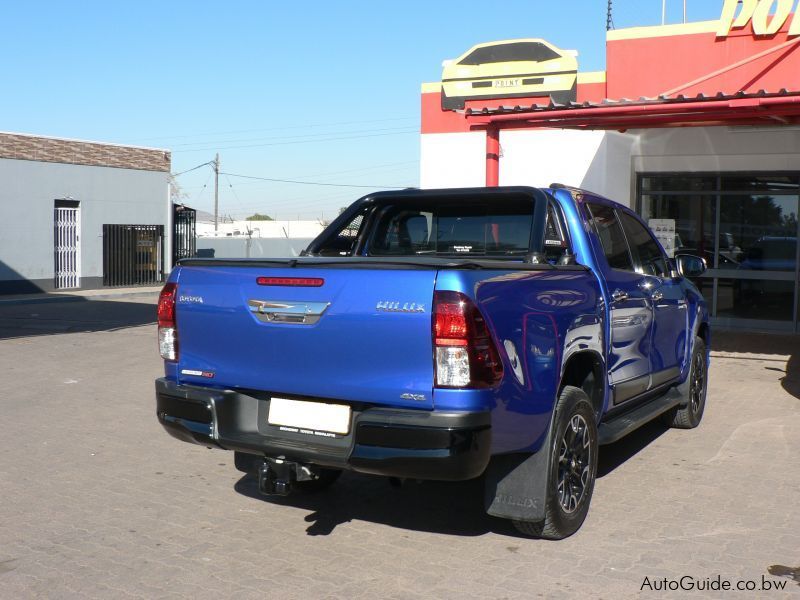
[758, 12]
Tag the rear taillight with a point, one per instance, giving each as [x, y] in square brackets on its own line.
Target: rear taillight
[465, 354]
[167, 327]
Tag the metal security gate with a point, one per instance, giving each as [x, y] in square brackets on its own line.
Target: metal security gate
[184, 234]
[67, 237]
[133, 254]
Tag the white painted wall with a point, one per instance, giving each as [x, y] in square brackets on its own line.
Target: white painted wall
[606, 162]
[453, 159]
[594, 160]
[262, 229]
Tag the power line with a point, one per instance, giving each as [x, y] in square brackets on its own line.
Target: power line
[270, 206]
[282, 128]
[292, 137]
[348, 185]
[210, 162]
[282, 143]
[203, 189]
[336, 174]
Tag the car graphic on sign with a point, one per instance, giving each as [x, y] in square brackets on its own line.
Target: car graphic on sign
[510, 69]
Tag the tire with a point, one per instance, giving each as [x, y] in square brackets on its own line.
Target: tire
[573, 468]
[327, 477]
[689, 415]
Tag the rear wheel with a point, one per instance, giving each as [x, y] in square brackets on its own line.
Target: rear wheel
[693, 389]
[573, 468]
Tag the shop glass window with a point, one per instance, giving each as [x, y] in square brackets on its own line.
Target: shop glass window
[755, 299]
[684, 183]
[746, 227]
[612, 238]
[651, 259]
[748, 183]
[694, 216]
[758, 232]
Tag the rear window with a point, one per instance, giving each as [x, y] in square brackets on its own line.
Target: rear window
[467, 229]
[527, 51]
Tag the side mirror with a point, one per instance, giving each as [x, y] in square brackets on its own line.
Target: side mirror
[690, 265]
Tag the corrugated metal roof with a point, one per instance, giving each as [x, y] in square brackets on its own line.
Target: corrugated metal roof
[539, 107]
[743, 109]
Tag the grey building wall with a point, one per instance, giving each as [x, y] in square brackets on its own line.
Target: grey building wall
[28, 190]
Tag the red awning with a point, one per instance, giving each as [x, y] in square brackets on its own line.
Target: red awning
[761, 108]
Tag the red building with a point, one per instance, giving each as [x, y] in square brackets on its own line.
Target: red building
[695, 124]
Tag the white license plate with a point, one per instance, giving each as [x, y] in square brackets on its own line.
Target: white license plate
[310, 416]
[502, 83]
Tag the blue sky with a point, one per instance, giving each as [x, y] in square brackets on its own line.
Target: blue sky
[314, 91]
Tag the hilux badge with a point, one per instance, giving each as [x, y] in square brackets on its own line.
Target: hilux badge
[392, 306]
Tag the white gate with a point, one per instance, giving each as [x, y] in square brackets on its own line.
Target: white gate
[67, 247]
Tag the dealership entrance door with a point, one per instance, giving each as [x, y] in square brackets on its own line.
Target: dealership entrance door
[746, 227]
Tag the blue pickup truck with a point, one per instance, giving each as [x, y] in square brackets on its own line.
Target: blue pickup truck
[441, 335]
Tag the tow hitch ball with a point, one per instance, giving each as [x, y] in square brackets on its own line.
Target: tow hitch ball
[277, 477]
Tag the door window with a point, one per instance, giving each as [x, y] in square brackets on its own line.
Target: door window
[644, 247]
[612, 238]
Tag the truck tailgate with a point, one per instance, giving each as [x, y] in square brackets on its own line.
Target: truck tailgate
[365, 337]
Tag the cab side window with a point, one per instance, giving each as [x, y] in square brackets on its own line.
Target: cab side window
[556, 244]
[612, 238]
[644, 247]
[344, 242]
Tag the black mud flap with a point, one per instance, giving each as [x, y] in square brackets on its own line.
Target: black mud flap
[516, 485]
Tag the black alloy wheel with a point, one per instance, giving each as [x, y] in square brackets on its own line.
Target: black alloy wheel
[573, 468]
[689, 414]
[574, 464]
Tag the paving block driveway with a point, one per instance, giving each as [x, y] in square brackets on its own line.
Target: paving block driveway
[97, 501]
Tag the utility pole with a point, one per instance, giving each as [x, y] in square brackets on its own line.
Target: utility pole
[216, 193]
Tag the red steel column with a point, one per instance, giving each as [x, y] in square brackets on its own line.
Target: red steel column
[492, 156]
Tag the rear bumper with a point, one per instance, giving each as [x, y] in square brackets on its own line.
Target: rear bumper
[419, 444]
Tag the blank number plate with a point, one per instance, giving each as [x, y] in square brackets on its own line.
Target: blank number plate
[313, 416]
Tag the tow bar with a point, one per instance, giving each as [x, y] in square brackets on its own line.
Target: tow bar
[276, 477]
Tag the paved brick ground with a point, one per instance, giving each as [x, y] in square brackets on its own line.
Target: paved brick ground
[96, 501]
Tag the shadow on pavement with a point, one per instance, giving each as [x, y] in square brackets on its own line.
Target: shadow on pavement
[765, 344]
[614, 455]
[453, 508]
[791, 381]
[79, 315]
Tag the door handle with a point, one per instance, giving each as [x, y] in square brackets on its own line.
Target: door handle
[619, 295]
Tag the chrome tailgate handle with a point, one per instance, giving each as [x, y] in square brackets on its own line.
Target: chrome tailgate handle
[281, 311]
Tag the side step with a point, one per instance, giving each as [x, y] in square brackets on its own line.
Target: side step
[618, 427]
